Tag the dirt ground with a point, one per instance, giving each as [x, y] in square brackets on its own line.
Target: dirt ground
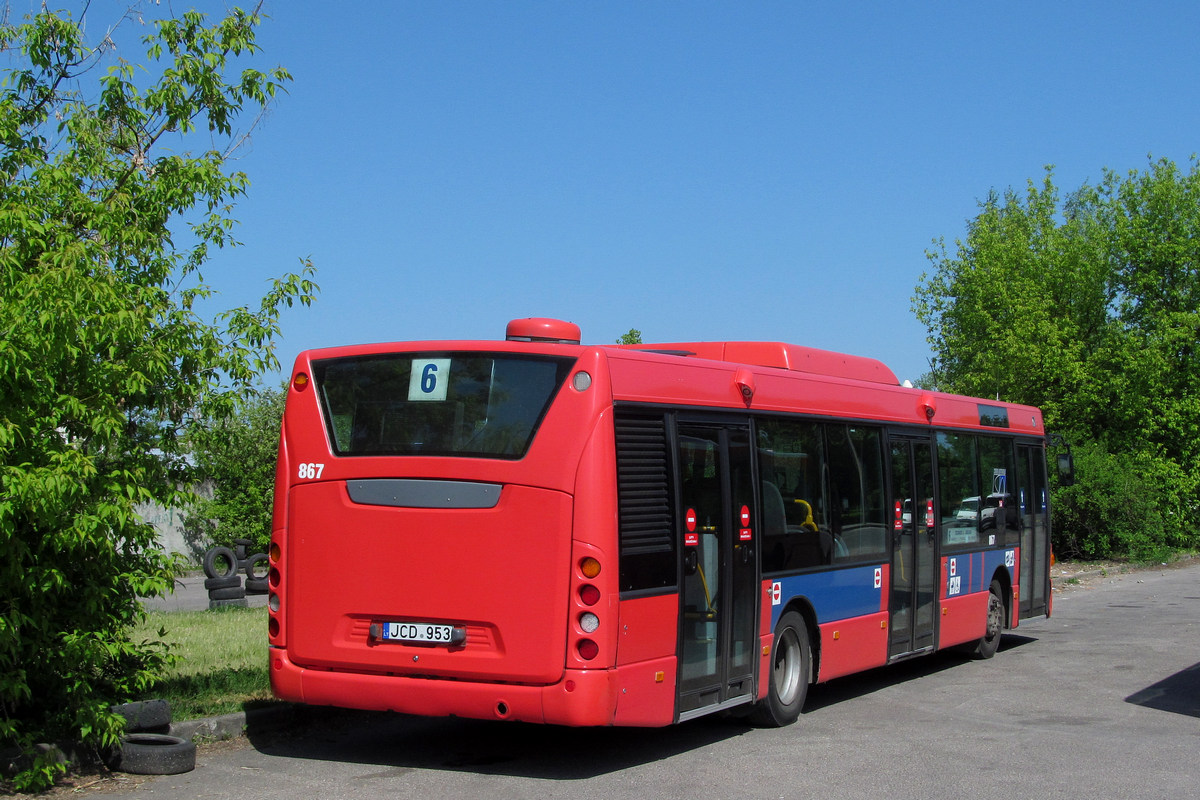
[1067, 576]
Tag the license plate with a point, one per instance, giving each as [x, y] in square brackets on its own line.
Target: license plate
[421, 633]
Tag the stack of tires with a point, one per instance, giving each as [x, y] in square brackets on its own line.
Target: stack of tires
[147, 748]
[223, 567]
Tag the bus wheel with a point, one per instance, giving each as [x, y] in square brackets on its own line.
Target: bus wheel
[990, 641]
[791, 657]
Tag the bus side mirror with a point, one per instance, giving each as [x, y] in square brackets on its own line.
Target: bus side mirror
[1066, 469]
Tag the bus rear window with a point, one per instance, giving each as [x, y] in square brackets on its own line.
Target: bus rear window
[441, 404]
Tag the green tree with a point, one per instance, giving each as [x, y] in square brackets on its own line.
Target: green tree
[632, 336]
[237, 454]
[106, 215]
[1089, 308]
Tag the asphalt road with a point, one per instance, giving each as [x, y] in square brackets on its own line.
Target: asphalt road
[1100, 701]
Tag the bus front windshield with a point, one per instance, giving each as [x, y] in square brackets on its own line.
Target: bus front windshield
[437, 404]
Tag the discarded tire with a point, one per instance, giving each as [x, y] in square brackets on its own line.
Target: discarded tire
[240, 547]
[256, 586]
[220, 562]
[156, 754]
[223, 583]
[145, 716]
[253, 563]
[234, 593]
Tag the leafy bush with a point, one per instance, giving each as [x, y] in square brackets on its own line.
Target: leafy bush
[104, 364]
[237, 454]
[1111, 511]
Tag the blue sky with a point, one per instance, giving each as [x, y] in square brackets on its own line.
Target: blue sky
[696, 170]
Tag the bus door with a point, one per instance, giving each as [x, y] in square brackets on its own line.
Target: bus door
[1035, 530]
[719, 536]
[913, 596]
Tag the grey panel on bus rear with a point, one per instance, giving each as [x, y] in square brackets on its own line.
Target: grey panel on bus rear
[419, 493]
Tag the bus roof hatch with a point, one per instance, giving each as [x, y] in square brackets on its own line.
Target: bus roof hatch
[542, 329]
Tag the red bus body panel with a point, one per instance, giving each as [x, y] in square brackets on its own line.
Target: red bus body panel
[853, 645]
[459, 566]
[646, 660]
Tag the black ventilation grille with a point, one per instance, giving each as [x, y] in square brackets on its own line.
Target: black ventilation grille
[646, 528]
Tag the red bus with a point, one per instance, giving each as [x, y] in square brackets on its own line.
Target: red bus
[535, 529]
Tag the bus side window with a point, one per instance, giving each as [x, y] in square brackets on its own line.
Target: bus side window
[959, 484]
[790, 461]
[999, 514]
[857, 489]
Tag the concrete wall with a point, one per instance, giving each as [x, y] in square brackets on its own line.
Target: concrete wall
[172, 535]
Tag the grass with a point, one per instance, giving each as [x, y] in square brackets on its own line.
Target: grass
[221, 660]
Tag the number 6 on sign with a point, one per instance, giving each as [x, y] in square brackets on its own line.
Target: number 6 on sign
[428, 379]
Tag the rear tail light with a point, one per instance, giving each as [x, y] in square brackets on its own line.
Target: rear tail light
[589, 595]
[589, 608]
[275, 585]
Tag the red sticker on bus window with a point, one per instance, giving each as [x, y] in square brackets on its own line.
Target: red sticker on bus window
[745, 534]
[691, 539]
[690, 519]
[899, 519]
[929, 520]
[745, 516]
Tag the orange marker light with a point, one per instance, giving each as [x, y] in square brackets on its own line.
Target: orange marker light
[590, 567]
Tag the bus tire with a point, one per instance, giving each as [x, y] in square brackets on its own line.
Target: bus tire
[212, 559]
[994, 626]
[791, 666]
[156, 754]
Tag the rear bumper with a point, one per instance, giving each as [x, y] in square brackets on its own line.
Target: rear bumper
[580, 698]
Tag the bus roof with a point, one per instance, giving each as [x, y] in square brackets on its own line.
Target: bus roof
[777, 366]
[795, 357]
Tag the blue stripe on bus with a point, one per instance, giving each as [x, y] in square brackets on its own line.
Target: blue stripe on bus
[834, 595]
[974, 571]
